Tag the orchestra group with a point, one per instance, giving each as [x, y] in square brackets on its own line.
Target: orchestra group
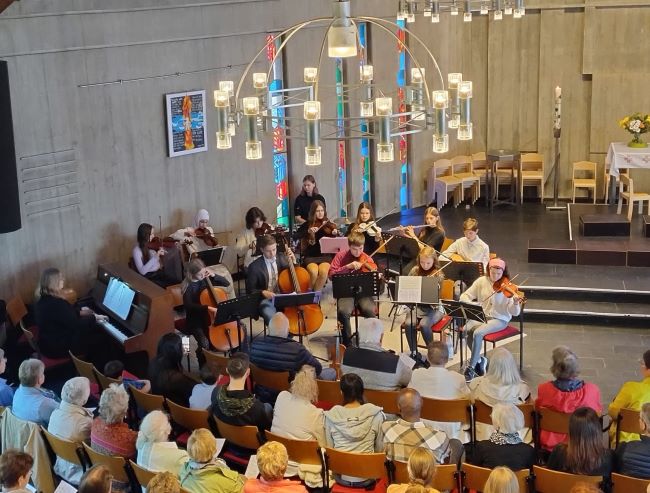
[265, 256]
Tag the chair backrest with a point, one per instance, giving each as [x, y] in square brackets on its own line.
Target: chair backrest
[447, 289]
[142, 475]
[190, 419]
[278, 380]
[16, 310]
[625, 185]
[553, 421]
[329, 391]
[354, 464]
[147, 402]
[31, 340]
[115, 464]
[84, 368]
[475, 477]
[449, 411]
[479, 161]
[442, 167]
[242, 436]
[216, 361]
[386, 399]
[301, 451]
[532, 161]
[447, 243]
[104, 381]
[627, 484]
[588, 166]
[627, 421]
[66, 449]
[461, 164]
[549, 481]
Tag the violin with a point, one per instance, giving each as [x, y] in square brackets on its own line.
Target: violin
[325, 225]
[208, 238]
[371, 228]
[264, 229]
[508, 289]
[224, 337]
[156, 243]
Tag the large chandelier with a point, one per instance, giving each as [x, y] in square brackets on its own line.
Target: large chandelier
[425, 110]
[407, 9]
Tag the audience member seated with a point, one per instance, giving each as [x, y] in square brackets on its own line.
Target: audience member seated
[278, 352]
[501, 480]
[167, 376]
[201, 397]
[632, 395]
[97, 479]
[295, 416]
[502, 383]
[272, 460]
[633, 458]
[566, 393]
[155, 451]
[421, 467]
[31, 401]
[71, 421]
[378, 368]
[409, 432]
[115, 369]
[205, 472]
[436, 382]
[584, 453]
[504, 447]
[110, 435]
[234, 404]
[354, 426]
[164, 482]
[6, 391]
[15, 471]
[585, 487]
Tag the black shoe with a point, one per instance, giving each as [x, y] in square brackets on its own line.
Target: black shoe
[470, 374]
[420, 362]
[481, 366]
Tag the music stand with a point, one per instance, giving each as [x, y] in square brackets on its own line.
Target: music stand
[429, 295]
[461, 311]
[246, 306]
[403, 247]
[465, 272]
[355, 285]
[281, 301]
[333, 245]
[211, 256]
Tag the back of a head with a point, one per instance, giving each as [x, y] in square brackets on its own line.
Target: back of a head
[272, 459]
[238, 364]
[585, 449]
[97, 479]
[170, 351]
[113, 404]
[208, 375]
[164, 482]
[409, 402]
[201, 445]
[501, 480]
[113, 369]
[437, 353]
[507, 418]
[421, 466]
[155, 427]
[644, 415]
[646, 359]
[30, 371]
[304, 384]
[584, 487]
[371, 331]
[503, 368]
[565, 363]
[351, 388]
[14, 465]
[76, 391]
[279, 325]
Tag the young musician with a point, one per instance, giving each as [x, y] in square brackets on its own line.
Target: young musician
[470, 247]
[498, 309]
[427, 265]
[148, 262]
[262, 274]
[303, 202]
[316, 227]
[246, 240]
[433, 234]
[372, 234]
[197, 316]
[345, 262]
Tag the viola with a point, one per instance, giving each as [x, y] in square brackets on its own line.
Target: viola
[508, 289]
[324, 225]
[224, 337]
[208, 238]
[156, 243]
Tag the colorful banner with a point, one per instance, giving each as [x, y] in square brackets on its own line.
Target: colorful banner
[403, 142]
[340, 147]
[363, 126]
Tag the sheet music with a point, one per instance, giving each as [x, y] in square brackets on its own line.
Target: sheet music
[409, 289]
[252, 470]
[64, 488]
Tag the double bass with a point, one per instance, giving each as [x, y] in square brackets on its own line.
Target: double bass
[303, 319]
[224, 337]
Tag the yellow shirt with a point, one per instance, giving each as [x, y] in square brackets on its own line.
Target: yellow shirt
[632, 396]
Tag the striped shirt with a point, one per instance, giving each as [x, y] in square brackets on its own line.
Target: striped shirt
[402, 437]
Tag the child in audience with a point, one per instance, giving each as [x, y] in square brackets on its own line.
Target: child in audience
[115, 369]
[470, 248]
[201, 397]
[15, 470]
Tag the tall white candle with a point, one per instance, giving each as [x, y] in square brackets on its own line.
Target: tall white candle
[557, 110]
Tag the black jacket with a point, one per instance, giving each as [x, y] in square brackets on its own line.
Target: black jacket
[257, 275]
[240, 408]
[517, 456]
[633, 458]
[303, 204]
[196, 314]
[59, 325]
[281, 354]
[173, 384]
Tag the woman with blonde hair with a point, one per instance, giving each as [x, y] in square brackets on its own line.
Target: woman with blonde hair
[421, 468]
[164, 482]
[501, 480]
[272, 460]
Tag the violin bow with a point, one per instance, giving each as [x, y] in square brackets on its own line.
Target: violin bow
[376, 251]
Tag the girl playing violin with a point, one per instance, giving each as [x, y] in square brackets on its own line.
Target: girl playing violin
[308, 194]
[246, 240]
[316, 227]
[499, 308]
[427, 265]
[363, 224]
[149, 262]
[197, 318]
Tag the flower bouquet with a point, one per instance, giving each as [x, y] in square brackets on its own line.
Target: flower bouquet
[636, 124]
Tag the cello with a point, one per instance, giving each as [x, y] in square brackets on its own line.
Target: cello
[224, 337]
[303, 319]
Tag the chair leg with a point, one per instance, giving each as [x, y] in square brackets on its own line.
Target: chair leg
[630, 206]
[594, 194]
[619, 209]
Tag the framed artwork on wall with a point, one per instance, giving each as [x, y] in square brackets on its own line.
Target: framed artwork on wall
[186, 125]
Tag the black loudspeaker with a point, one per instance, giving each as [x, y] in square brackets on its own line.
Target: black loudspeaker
[9, 198]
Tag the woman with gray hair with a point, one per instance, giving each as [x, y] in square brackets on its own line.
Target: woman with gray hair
[566, 393]
[504, 447]
[155, 452]
[71, 421]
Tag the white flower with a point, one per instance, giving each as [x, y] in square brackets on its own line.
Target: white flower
[635, 126]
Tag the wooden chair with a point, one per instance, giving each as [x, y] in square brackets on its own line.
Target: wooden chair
[447, 411]
[627, 484]
[115, 464]
[446, 244]
[627, 421]
[446, 478]
[441, 181]
[84, 368]
[300, 451]
[475, 477]
[65, 449]
[190, 419]
[357, 465]
[147, 402]
[461, 168]
[480, 165]
[16, 311]
[532, 171]
[216, 361]
[242, 436]
[386, 399]
[142, 475]
[104, 381]
[549, 481]
[483, 414]
[578, 180]
[626, 192]
[277, 380]
[329, 391]
[607, 177]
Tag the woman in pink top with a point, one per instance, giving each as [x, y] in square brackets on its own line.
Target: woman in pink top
[566, 393]
[272, 460]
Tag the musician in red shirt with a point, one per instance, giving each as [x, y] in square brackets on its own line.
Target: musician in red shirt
[345, 262]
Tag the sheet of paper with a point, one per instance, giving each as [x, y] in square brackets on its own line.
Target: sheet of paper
[409, 289]
[220, 443]
[252, 471]
[64, 488]
[407, 360]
